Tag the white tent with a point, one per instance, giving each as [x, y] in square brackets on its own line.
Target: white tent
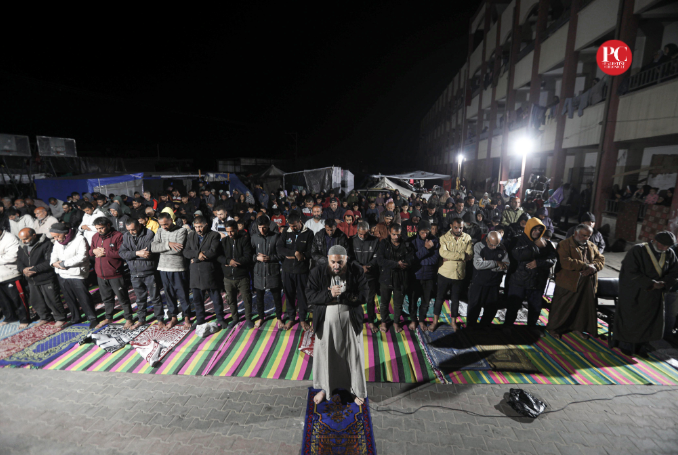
[388, 185]
[416, 175]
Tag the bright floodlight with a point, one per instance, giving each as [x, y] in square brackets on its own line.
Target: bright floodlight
[460, 158]
[524, 145]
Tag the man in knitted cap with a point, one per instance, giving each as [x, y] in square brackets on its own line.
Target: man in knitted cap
[648, 271]
[596, 238]
[338, 291]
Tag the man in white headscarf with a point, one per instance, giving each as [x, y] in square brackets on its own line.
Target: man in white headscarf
[338, 290]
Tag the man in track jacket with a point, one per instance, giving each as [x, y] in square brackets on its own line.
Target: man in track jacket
[363, 250]
[33, 263]
[295, 244]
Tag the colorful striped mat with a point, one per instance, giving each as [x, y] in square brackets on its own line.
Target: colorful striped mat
[389, 357]
[273, 354]
[264, 353]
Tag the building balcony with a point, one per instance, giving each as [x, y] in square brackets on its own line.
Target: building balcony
[472, 110]
[584, 130]
[648, 112]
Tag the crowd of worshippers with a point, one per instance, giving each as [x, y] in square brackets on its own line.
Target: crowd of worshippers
[205, 242]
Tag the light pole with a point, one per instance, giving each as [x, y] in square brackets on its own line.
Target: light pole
[524, 145]
[460, 160]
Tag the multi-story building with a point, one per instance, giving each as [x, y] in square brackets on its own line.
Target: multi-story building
[531, 72]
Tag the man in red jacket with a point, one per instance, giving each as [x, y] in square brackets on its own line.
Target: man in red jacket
[108, 266]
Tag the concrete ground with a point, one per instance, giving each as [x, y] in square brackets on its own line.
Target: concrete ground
[60, 412]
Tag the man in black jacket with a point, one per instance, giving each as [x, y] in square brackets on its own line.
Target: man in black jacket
[267, 267]
[72, 215]
[338, 291]
[326, 239]
[534, 258]
[363, 251]
[334, 211]
[236, 262]
[136, 251]
[33, 263]
[295, 244]
[203, 247]
[394, 257]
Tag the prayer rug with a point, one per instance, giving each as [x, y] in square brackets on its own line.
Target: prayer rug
[154, 343]
[25, 338]
[501, 351]
[11, 328]
[449, 351]
[336, 426]
[190, 357]
[44, 351]
[113, 337]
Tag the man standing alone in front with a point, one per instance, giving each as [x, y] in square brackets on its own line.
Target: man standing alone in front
[338, 291]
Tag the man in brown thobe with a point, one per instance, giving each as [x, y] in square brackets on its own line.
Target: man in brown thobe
[574, 301]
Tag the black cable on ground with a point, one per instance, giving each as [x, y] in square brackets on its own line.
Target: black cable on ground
[475, 414]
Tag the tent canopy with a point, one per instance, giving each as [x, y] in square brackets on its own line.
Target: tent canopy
[271, 179]
[314, 180]
[62, 187]
[416, 175]
[385, 184]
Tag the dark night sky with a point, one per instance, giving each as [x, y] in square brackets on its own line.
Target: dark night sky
[353, 82]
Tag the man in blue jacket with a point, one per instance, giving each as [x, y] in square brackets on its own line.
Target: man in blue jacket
[136, 251]
[425, 269]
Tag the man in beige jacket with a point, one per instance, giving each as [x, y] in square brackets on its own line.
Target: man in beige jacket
[456, 248]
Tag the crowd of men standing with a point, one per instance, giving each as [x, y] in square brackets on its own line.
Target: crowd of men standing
[203, 242]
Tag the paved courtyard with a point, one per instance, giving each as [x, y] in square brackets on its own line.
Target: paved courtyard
[61, 412]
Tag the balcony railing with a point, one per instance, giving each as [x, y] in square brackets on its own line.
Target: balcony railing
[656, 75]
[612, 208]
[524, 51]
[555, 26]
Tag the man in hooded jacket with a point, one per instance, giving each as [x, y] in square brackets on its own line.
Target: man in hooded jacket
[534, 258]
[118, 218]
